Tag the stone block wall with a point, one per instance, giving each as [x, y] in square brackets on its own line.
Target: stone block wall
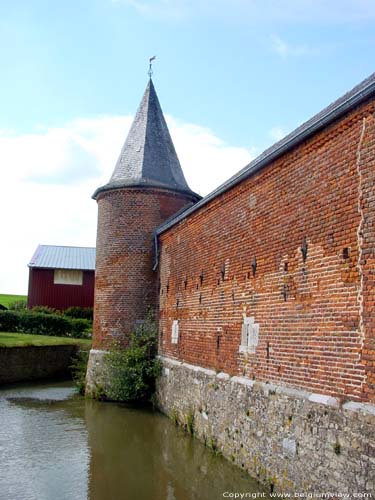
[292, 247]
[21, 364]
[293, 441]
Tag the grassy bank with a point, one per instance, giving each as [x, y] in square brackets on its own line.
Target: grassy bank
[6, 299]
[23, 340]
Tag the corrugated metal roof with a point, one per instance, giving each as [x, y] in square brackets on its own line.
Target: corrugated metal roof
[59, 257]
[338, 108]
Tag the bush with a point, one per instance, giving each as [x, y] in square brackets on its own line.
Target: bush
[9, 321]
[44, 310]
[78, 368]
[44, 324]
[80, 328]
[18, 305]
[132, 371]
[80, 312]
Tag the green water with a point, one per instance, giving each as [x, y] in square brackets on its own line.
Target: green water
[55, 445]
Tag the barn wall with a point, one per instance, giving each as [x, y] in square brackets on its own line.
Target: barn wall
[315, 316]
[43, 291]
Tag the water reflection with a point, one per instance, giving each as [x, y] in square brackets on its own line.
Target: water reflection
[55, 445]
[43, 445]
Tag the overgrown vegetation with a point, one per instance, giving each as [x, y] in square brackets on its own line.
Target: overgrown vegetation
[189, 422]
[337, 448]
[44, 323]
[18, 305]
[80, 312]
[174, 416]
[78, 369]
[213, 446]
[132, 371]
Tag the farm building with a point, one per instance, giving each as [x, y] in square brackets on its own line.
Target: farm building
[61, 277]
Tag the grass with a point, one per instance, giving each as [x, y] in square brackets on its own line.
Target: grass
[6, 299]
[24, 339]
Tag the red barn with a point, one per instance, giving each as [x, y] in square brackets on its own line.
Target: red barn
[61, 277]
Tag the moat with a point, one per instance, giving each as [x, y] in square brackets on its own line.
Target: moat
[55, 445]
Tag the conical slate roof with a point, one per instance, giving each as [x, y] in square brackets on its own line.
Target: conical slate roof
[148, 157]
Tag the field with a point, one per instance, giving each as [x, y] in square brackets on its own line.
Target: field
[6, 299]
[23, 340]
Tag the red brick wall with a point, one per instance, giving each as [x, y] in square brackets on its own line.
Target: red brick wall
[43, 291]
[126, 285]
[317, 318]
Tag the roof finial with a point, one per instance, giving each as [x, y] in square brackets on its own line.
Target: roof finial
[150, 72]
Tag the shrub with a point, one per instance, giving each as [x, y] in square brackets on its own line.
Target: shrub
[133, 370]
[18, 305]
[80, 312]
[80, 328]
[44, 324]
[78, 368]
[9, 321]
[44, 310]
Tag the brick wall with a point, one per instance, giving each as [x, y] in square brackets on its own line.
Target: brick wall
[316, 316]
[125, 285]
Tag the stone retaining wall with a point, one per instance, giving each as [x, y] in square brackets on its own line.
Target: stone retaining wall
[293, 440]
[20, 364]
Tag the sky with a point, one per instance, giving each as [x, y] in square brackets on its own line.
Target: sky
[232, 76]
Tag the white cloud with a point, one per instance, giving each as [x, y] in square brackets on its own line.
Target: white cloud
[277, 133]
[207, 161]
[284, 49]
[48, 179]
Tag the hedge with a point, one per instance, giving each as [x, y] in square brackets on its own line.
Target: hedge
[44, 324]
[79, 312]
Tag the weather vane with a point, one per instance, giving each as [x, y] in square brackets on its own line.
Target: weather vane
[150, 68]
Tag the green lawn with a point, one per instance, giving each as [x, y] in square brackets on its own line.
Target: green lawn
[24, 339]
[6, 299]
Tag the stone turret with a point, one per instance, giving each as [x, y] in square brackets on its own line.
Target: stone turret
[146, 188]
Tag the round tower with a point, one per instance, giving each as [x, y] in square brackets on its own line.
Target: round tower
[146, 188]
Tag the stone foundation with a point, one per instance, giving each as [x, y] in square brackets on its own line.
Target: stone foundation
[292, 440]
[96, 379]
[22, 364]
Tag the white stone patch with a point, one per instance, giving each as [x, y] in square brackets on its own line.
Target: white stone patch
[364, 407]
[293, 393]
[243, 381]
[170, 361]
[204, 415]
[166, 371]
[199, 369]
[174, 336]
[324, 400]
[249, 335]
[289, 447]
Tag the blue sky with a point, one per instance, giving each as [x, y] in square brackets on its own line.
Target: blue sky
[232, 76]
